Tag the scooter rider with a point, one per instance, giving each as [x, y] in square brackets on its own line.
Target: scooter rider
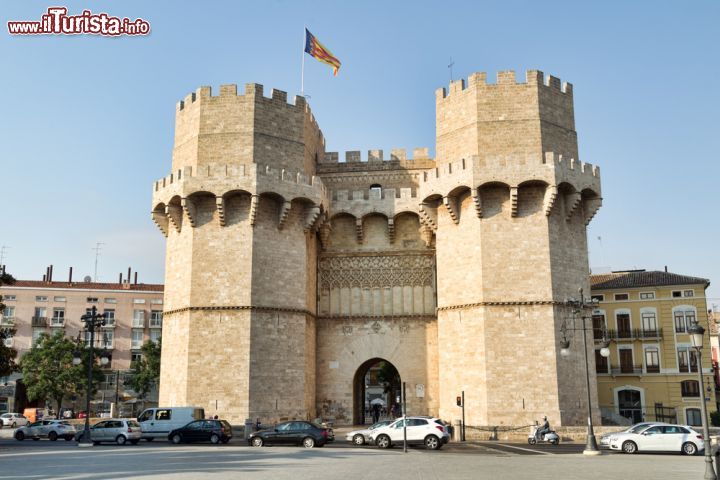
[545, 428]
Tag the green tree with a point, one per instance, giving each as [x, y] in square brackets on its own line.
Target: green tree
[147, 369]
[49, 373]
[7, 354]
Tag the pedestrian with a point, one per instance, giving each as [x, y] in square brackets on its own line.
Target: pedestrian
[376, 413]
[216, 417]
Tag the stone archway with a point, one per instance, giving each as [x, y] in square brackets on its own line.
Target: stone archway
[376, 381]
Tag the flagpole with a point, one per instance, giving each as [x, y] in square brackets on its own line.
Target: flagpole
[302, 71]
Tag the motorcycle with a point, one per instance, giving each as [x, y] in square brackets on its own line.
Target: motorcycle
[549, 437]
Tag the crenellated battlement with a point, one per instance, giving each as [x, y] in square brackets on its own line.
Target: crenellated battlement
[505, 78]
[374, 156]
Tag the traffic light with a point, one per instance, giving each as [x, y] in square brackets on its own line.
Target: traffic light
[458, 399]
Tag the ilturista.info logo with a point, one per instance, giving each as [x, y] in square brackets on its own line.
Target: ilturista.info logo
[56, 21]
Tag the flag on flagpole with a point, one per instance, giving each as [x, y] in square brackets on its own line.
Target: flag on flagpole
[316, 49]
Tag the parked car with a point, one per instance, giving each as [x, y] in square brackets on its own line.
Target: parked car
[52, 429]
[361, 437]
[213, 431]
[605, 438]
[659, 438]
[307, 434]
[12, 420]
[159, 422]
[118, 430]
[428, 431]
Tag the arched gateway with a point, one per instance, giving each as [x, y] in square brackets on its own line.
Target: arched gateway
[288, 271]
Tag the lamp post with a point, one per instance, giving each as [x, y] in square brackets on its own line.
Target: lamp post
[579, 306]
[697, 334]
[92, 321]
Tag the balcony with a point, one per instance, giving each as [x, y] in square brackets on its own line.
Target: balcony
[7, 321]
[57, 322]
[626, 370]
[634, 334]
[39, 321]
[135, 345]
[156, 323]
[138, 323]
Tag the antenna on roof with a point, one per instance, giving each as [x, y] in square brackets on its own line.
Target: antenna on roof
[2, 253]
[97, 254]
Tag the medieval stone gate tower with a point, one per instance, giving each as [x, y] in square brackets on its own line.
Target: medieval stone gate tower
[288, 271]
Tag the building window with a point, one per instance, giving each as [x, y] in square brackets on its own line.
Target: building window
[376, 189]
[156, 301]
[683, 319]
[111, 300]
[36, 334]
[8, 298]
[41, 298]
[58, 318]
[676, 294]
[9, 312]
[690, 388]
[692, 417]
[649, 324]
[687, 360]
[135, 357]
[601, 363]
[109, 317]
[688, 293]
[155, 335]
[624, 328]
[92, 300]
[8, 341]
[60, 299]
[156, 319]
[138, 319]
[621, 296]
[137, 339]
[138, 300]
[598, 298]
[598, 325]
[652, 360]
[107, 338]
[647, 295]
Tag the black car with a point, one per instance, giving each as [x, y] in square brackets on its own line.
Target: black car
[307, 434]
[213, 431]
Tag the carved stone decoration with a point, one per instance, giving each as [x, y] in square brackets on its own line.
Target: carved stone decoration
[375, 271]
[427, 234]
[391, 230]
[253, 208]
[404, 327]
[174, 214]
[347, 329]
[220, 205]
[428, 215]
[572, 201]
[452, 210]
[359, 230]
[325, 230]
[376, 327]
[549, 201]
[477, 200]
[189, 208]
[311, 216]
[513, 201]
[284, 212]
[161, 220]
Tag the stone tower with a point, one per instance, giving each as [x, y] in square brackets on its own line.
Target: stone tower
[509, 205]
[240, 210]
[289, 273]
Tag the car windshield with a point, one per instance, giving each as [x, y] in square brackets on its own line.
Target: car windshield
[637, 428]
[380, 424]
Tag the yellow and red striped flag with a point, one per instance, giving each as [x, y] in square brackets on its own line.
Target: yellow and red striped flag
[316, 49]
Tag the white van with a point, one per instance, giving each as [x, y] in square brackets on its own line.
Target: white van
[158, 422]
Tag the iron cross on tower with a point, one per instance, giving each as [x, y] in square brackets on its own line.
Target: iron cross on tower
[450, 65]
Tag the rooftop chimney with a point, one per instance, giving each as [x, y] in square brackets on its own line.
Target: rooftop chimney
[70, 276]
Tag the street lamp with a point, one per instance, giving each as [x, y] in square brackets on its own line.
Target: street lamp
[92, 321]
[697, 334]
[579, 306]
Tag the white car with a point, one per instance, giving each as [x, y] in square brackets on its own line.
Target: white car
[428, 431]
[659, 438]
[12, 420]
[361, 437]
[52, 429]
[605, 438]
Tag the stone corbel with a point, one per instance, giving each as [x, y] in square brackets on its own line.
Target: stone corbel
[161, 220]
[477, 200]
[428, 215]
[572, 202]
[253, 208]
[513, 201]
[220, 204]
[449, 203]
[324, 236]
[359, 229]
[284, 212]
[549, 200]
[311, 216]
[426, 233]
[590, 208]
[391, 230]
[174, 215]
[189, 208]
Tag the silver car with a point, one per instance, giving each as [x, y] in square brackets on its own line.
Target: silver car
[12, 420]
[52, 429]
[117, 430]
[361, 437]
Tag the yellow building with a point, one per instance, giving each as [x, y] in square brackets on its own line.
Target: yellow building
[652, 371]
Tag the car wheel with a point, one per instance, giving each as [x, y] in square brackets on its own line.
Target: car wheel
[359, 439]
[135, 442]
[214, 439]
[96, 443]
[149, 439]
[36, 438]
[68, 438]
[176, 438]
[52, 436]
[19, 436]
[120, 440]
[555, 442]
[308, 442]
[629, 447]
[257, 442]
[225, 440]
[432, 442]
[383, 441]
[532, 441]
[14, 424]
[689, 448]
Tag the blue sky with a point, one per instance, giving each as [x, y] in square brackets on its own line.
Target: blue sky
[87, 122]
